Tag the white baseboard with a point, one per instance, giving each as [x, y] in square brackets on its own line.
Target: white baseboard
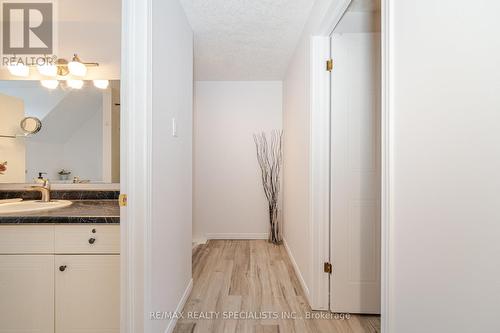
[297, 271]
[237, 235]
[180, 306]
[199, 241]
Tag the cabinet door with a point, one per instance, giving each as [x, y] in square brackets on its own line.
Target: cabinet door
[87, 293]
[27, 293]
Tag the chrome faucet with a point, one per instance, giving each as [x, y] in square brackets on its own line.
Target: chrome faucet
[44, 189]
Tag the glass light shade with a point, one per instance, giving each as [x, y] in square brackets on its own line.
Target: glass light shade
[50, 84]
[75, 84]
[47, 70]
[101, 84]
[19, 70]
[76, 68]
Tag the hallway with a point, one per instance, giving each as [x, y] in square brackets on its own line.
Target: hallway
[253, 278]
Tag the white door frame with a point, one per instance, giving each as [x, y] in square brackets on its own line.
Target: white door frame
[135, 160]
[320, 159]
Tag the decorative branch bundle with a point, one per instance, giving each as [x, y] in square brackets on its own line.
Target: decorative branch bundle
[270, 158]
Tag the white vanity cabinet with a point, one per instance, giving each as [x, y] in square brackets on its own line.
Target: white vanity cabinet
[27, 293]
[59, 278]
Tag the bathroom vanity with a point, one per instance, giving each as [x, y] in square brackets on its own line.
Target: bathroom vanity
[59, 212]
[60, 268]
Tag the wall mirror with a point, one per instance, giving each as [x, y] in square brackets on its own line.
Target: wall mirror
[31, 125]
[69, 135]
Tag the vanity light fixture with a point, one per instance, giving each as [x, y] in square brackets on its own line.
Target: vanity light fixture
[61, 68]
[77, 67]
[101, 84]
[47, 70]
[75, 84]
[19, 70]
[50, 84]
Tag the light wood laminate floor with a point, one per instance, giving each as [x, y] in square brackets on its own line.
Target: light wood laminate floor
[256, 279]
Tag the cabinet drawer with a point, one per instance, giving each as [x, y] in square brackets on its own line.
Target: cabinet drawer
[26, 239]
[73, 239]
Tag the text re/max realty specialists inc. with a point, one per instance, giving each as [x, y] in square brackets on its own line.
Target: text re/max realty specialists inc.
[245, 315]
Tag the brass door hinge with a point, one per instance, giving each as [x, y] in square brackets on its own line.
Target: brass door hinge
[122, 200]
[329, 65]
[328, 268]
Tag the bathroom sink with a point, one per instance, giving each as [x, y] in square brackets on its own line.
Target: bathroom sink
[31, 206]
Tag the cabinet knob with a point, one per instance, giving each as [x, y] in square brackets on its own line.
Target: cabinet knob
[62, 268]
[92, 240]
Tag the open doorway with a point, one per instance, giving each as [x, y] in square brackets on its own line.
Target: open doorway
[355, 192]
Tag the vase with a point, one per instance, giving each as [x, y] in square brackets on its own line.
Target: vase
[63, 177]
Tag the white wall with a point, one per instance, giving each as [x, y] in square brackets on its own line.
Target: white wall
[92, 29]
[171, 205]
[296, 125]
[38, 101]
[12, 150]
[445, 165]
[81, 154]
[45, 157]
[228, 197]
[71, 137]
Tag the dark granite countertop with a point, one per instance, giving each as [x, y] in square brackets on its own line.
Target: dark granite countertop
[81, 211]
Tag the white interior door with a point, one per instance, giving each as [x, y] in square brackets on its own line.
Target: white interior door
[355, 206]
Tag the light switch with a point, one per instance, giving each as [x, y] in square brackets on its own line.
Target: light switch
[174, 128]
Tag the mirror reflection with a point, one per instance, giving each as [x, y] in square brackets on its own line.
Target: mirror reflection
[31, 125]
[64, 134]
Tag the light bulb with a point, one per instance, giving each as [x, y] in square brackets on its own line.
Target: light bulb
[76, 68]
[75, 84]
[47, 70]
[19, 70]
[101, 84]
[50, 84]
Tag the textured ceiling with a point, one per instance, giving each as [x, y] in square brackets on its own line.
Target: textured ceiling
[245, 39]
